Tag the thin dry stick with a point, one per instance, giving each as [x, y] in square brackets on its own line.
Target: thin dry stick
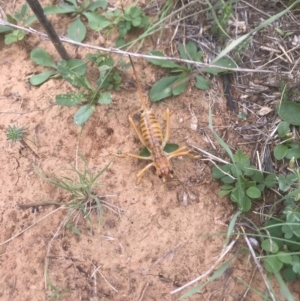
[166, 254]
[285, 53]
[47, 258]
[143, 292]
[248, 288]
[18, 234]
[258, 266]
[106, 281]
[126, 53]
[224, 252]
[209, 155]
[24, 206]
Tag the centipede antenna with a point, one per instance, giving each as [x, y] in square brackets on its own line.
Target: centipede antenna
[139, 86]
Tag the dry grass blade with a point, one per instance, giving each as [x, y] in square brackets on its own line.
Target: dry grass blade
[222, 255]
[260, 268]
[132, 54]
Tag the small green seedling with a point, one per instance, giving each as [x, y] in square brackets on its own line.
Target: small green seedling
[288, 148]
[43, 58]
[19, 18]
[176, 84]
[127, 20]
[91, 96]
[77, 30]
[110, 77]
[82, 188]
[283, 33]
[242, 181]
[282, 243]
[73, 71]
[15, 134]
[221, 21]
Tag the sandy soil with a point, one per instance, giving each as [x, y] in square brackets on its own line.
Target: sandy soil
[156, 243]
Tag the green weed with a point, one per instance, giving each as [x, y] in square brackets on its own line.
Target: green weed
[73, 71]
[19, 17]
[127, 20]
[16, 134]
[242, 181]
[82, 193]
[176, 84]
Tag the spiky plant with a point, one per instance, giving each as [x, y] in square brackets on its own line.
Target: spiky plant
[14, 133]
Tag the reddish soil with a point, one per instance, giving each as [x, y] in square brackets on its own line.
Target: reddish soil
[157, 241]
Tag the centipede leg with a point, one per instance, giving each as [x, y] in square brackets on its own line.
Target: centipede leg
[182, 151]
[135, 156]
[141, 172]
[136, 130]
[167, 132]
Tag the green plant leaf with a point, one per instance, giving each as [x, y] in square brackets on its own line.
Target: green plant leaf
[24, 10]
[70, 99]
[40, 78]
[288, 231]
[97, 4]
[105, 98]
[15, 36]
[42, 58]
[280, 151]
[272, 264]
[202, 83]
[161, 89]
[68, 72]
[136, 22]
[283, 184]
[225, 62]
[293, 152]
[289, 111]
[228, 187]
[73, 229]
[257, 176]
[96, 21]
[269, 245]
[231, 226]
[120, 42]
[253, 193]
[228, 180]
[170, 147]
[284, 257]
[224, 192]
[76, 31]
[270, 180]
[238, 196]
[77, 66]
[83, 114]
[64, 8]
[4, 28]
[219, 171]
[144, 152]
[163, 63]
[289, 274]
[283, 129]
[180, 84]
[187, 51]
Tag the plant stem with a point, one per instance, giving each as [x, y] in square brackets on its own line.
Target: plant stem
[39, 12]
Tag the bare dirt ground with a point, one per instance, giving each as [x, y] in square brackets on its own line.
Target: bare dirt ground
[156, 243]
